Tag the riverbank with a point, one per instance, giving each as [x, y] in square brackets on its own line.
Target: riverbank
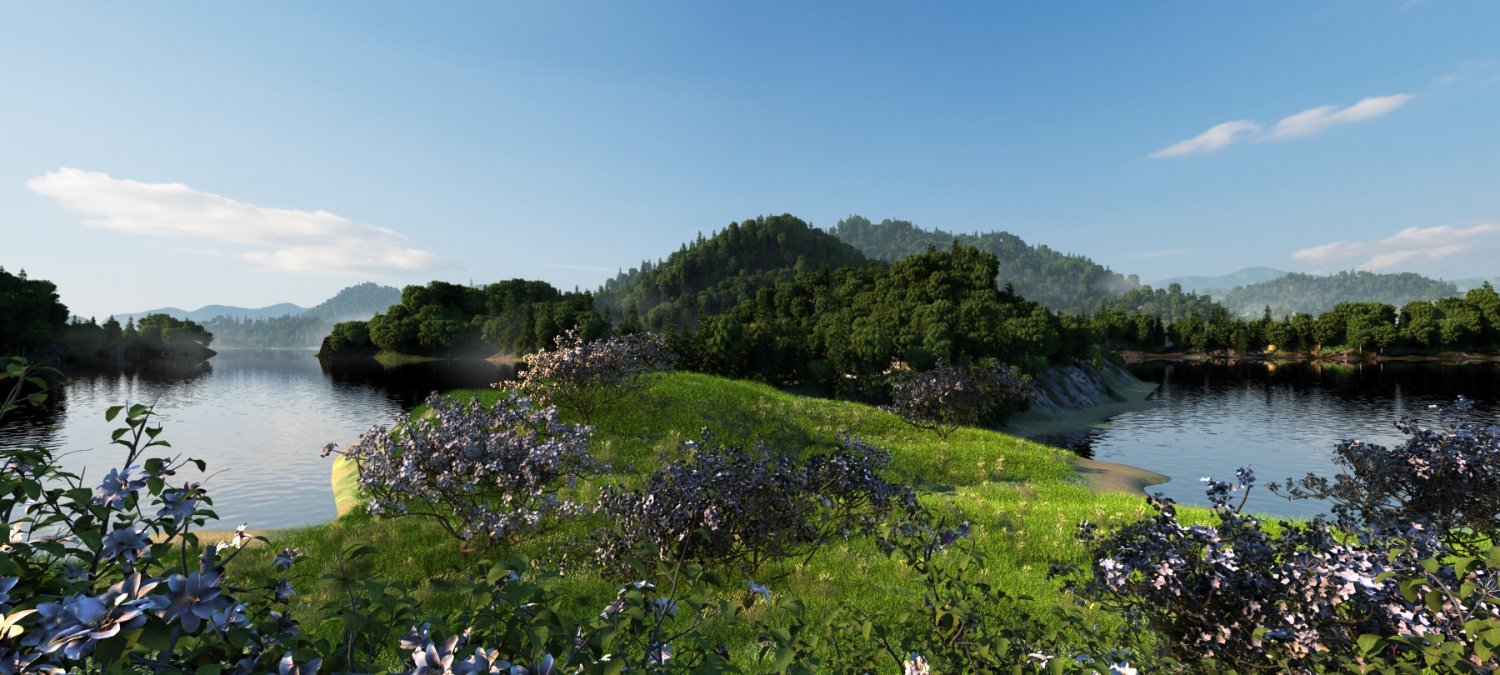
[1340, 357]
[1126, 393]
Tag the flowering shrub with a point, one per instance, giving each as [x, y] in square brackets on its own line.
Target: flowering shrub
[945, 397]
[486, 473]
[1445, 478]
[1307, 598]
[112, 577]
[584, 377]
[732, 506]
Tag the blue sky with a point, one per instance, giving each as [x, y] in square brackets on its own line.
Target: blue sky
[182, 154]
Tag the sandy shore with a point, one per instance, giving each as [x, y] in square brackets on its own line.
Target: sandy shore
[1100, 476]
[1112, 477]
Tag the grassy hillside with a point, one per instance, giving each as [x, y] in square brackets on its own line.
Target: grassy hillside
[1023, 499]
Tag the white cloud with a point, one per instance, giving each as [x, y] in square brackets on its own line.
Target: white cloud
[284, 239]
[1410, 244]
[1314, 120]
[1215, 138]
[1305, 123]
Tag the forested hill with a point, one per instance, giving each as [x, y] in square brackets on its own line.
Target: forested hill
[712, 275]
[1062, 282]
[302, 329]
[357, 302]
[1315, 294]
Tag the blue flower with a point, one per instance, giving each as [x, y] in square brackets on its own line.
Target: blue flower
[117, 487]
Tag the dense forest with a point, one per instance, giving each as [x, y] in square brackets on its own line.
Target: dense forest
[33, 314]
[154, 336]
[1470, 322]
[712, 275]
[772, 299]
[1312, 294]
[1062, 282]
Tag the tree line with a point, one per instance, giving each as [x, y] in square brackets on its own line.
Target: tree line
[1467, 322]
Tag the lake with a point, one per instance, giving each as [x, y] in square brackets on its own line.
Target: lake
[259, 418]
[1281, 420]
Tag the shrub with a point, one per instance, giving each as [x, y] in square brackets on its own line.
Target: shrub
[584, 377]
[486, 473]
[1445, 478]
[731, 506]
[111, 578]
[1308, 598]
[946, 397]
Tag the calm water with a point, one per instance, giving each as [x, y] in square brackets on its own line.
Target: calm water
[259, 418]
[1209, 420]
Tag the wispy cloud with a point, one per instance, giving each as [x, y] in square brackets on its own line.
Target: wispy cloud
[1217, 137]
[283, 239]
[1314, 120]
[1305, 123]
[1410, 244]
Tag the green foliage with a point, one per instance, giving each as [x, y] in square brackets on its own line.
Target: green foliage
[449, 320]
[713, 275]
[33, 315]
[840, 330]
[1061, 282]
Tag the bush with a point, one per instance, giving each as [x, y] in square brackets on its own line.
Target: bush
[584, 377]
[731, 506]
[945, 397]
[1308, 598]
[486, 473]
[1444, 478]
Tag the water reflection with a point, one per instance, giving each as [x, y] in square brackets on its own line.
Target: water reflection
[259, 418]
[1210, 419]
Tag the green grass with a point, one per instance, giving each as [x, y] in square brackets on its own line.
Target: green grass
[1023, 499]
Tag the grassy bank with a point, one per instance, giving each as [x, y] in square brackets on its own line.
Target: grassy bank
[1024, 500]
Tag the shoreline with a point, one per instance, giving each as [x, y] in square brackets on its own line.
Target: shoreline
[1342, 358]
[1099, 476]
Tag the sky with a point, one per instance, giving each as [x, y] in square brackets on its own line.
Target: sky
[182, 154]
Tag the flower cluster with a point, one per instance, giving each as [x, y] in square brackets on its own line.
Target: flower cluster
[91, 578]
[1445, 478]
[584, 377]
[1302, 598]
[945, 397]
[730, 505]
[487, 473]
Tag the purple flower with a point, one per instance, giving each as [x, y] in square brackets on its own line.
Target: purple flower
[192, 599]
[125, 542]
[117, 487]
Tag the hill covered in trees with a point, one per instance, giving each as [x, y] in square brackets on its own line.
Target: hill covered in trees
[305, 328]
[771, 299]
[712, 275]
[1311, 294]
[1062, 282]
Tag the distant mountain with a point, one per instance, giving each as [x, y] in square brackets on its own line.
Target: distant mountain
[1314, 295]
[284, 325]
[1062, 282]
[1244, 277]
[210, 311]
